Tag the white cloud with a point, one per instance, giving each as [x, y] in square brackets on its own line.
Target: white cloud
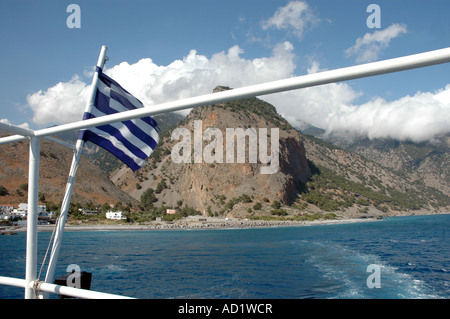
[295, 17]
[332, 107]
[314, 104]
[418, 118]
[194, 75]
[369, 47]
[61, 103]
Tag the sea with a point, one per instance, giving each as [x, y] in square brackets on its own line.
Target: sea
[393, 258]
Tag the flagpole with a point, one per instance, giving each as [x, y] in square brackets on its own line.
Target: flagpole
[50, 276]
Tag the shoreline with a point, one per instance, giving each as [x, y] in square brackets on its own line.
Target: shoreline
[195, 224]
[214, 225]
[189, 225]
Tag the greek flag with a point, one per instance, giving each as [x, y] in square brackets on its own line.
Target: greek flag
[131, 141]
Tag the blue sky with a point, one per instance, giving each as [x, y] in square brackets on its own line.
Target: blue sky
[249, 41]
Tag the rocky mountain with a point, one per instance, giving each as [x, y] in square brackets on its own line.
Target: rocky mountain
[216, 185]
[92, 184]
[353, 183]
[313, 176]
[425, 167]
[242, 159]
[425, 164]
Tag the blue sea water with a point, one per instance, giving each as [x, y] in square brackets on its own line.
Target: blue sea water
[328, 261]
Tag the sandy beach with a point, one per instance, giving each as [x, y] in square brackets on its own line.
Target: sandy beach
[196, 222]
[210, 223]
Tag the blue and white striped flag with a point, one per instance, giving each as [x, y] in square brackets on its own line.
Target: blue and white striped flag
[131, 141]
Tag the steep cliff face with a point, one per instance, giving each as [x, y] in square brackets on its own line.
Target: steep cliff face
[241, 149]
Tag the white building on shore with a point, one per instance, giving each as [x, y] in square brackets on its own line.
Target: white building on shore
[22, 211]
[8, 212]
[6, 209]
[115, 215]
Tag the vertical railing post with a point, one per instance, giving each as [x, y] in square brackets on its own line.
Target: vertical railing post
[32, 217]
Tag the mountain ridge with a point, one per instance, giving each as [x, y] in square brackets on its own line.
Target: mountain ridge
[330, 175]
[92, 185]
[198, 185]
[426, 163]
[339, 180]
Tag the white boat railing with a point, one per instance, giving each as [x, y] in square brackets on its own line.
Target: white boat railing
[40, 286]
[33, 287]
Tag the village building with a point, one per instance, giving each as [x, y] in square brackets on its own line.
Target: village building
[115, 215]
[22, 210]
[6, 209]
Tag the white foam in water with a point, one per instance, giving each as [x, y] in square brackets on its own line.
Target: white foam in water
[336, 264]
[112, 267]
[349, 269]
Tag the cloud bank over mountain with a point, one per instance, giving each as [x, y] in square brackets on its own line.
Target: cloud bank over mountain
[333, 107]
[419, 117]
